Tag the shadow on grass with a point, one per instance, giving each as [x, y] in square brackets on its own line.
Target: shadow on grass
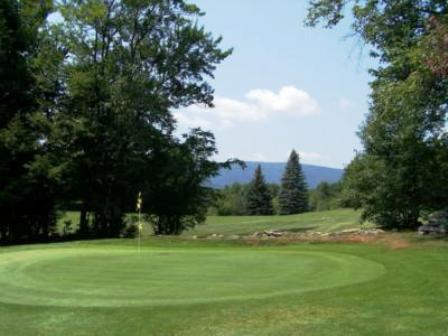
[301, 229]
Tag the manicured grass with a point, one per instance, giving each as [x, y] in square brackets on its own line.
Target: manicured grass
[116, 276]
[194, 287]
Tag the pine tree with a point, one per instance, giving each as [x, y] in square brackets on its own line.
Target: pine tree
[258, 198]
[293, 197]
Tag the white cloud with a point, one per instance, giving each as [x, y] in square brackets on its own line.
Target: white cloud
[289, 100]
[259, 105]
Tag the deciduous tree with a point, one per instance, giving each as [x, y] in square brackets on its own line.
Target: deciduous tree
[400, 172]
[128, 65]
[26, 199]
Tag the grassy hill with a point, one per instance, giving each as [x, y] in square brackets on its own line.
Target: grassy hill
[324, 221]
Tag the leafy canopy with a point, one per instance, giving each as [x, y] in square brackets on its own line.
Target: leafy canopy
[401, 171]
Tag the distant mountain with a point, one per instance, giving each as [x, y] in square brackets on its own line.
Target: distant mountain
[273, 172]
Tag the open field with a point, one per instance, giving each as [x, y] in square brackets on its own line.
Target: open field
[324, 221]
[201, 287]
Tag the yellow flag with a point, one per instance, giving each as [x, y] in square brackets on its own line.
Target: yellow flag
[139, 201]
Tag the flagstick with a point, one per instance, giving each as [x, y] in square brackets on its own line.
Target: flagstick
[139, 230]
[139, 225]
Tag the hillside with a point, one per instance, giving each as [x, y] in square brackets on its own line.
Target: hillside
[273, 172]
[323, 221]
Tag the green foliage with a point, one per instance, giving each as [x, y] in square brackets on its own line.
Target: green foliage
[131, 231]
[176, 196]
[435, 45]
[258, 196]
[86, 114]
[402, 171]
[125, 66]
[231, 201]
[326, 196]
[26, 187]
[293, 196]
[274, 189]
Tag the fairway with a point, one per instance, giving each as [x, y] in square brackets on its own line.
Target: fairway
[121, 277]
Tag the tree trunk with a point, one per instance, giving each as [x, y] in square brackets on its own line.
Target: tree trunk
[83, 221]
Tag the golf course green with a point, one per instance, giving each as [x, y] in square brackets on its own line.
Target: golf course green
[200, 287]
[121, 277]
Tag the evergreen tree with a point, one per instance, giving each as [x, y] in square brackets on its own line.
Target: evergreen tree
[259, 198]
[293, 197]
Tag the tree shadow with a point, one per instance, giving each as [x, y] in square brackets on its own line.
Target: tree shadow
[301, 229]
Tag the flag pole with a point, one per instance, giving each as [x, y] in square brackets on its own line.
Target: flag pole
[139, 231]
[139, 225]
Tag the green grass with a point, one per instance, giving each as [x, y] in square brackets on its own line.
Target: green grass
[181, 286]
[324, 221]
[119, 276]
[187, 287]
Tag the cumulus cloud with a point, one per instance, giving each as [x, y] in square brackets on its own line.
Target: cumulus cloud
[258, 105]
[289, 100]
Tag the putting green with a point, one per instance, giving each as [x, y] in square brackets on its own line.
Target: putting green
[120, 277]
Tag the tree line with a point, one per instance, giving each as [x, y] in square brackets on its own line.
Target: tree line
[291, 196]
[85, 115]
[86, 122]
[231, 200]
[402, 171]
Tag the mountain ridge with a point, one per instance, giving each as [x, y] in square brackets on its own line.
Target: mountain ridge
[273, 172]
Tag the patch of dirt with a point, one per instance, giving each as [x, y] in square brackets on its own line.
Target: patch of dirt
[394, 241]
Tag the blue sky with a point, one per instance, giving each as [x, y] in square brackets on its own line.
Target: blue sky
[285, 86]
